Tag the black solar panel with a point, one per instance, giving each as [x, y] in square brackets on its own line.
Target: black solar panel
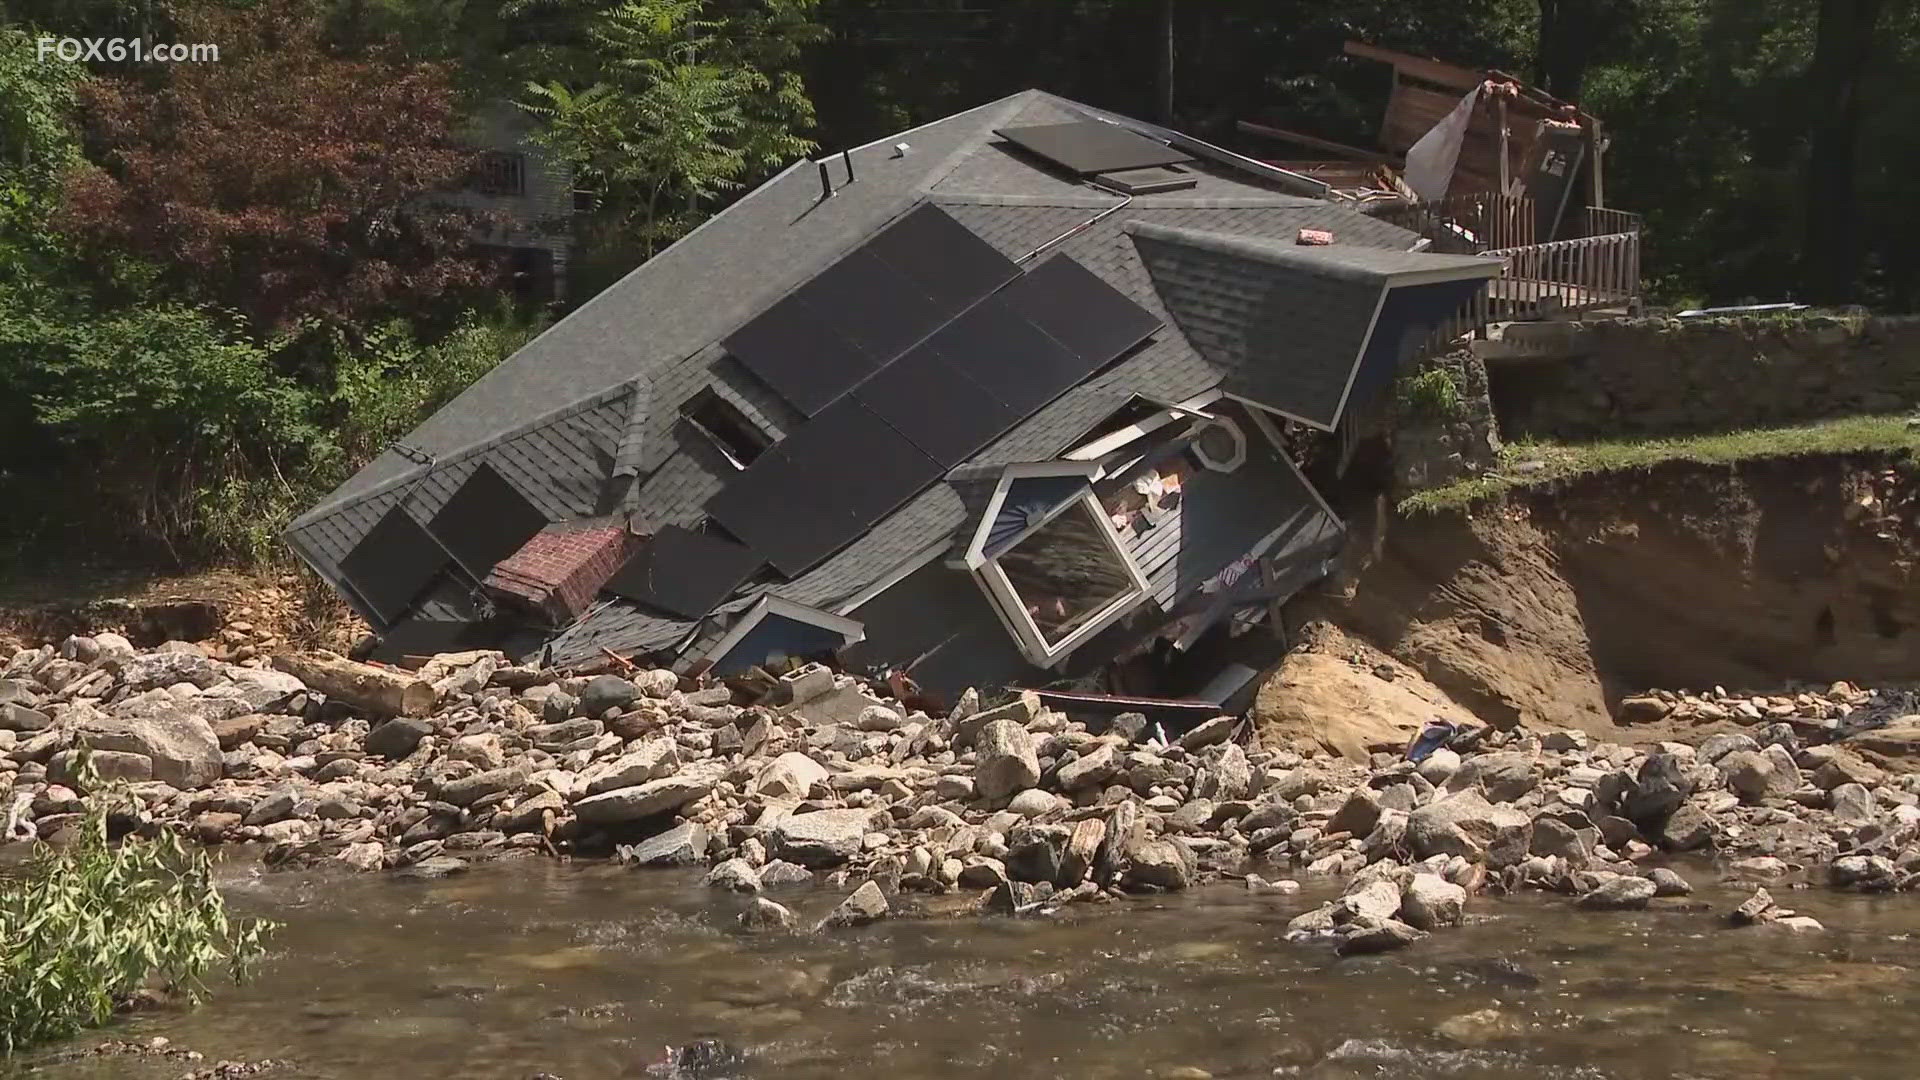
[867, 308]
[485, 521]
[954, 266]
[1092, 146]
[1077, 309]
[684, 572]
[1008, 356]
[822, 486]
[392, 564]
[944, 413]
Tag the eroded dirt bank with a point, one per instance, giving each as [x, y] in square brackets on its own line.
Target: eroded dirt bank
[1553, 605]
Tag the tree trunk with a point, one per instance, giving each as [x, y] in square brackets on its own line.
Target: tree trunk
[378, 690]
[1164, 97]
[1842, 47]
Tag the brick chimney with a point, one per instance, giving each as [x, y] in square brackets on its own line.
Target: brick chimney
[557, 573]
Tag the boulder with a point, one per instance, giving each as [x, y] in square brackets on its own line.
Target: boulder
[1227, 775]
[789, 776]
[183, 748]
[1207, 733]
[683, 845]
[1366, 936]
[468, 790]
[17, 717]
[532, 813]
[1846, 767]
[1852, 804]
[1033, 803]
[1431, 901]
[236, 731]
[1093, 767]
[1503, 776]
[1868, 873]
[108, 766]
[1657, 791]
[764, 914]
[1082, 848]
[1006, 762]
[1440, 766]
[1036, 853]
[398, 737]
[1159, 863]
[483, 750]
[822, 838]
[866, 905]
[651, 760]
[1668, 883]
[1466, 824]
[644, 800]
[1689, 829]
[1553, 837]
[606, 692]
[1358, 815]
[880, 718]
[734, 875]
[1623, 893]
[1755, 777]
[1320, 700]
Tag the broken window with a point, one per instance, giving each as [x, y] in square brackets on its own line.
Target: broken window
[498, 172]
[1063, 581]
[729, 429]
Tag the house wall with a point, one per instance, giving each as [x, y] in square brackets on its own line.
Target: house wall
[1626, 377]
[542, 217]
[776, 635]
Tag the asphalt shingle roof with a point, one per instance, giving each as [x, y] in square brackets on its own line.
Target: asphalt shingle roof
[557, 415]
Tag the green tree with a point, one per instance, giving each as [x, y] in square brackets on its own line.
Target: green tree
[673, 105]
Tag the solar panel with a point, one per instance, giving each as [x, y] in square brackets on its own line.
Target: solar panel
[1092, 146]
[953, 265]
[800, 355]
[867, 308]
[1008, 356]
[392, 564]
[939, 409]
[424, 637]
[485, 521]
[822, 486]
[872, 305]
[684, 572]
[1079, 310]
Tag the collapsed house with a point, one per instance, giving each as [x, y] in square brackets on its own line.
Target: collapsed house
[1001, 400]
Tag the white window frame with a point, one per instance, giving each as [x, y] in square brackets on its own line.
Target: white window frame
[1013, 610]
[851, 631]
[1233, 461]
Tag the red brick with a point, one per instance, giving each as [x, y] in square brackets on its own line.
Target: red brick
[558, 572]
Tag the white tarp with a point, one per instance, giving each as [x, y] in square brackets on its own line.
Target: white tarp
[1430, 161]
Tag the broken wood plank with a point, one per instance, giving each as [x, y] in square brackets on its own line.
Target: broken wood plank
[380, 690]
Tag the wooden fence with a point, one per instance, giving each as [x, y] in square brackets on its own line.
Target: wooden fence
[1464, 224]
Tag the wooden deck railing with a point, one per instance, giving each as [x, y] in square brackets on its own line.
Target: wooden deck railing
[1464, 224]
[1567, 276]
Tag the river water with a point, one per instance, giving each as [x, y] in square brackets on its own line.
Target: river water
[586, 972]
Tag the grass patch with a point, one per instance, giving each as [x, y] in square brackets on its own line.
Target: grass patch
[1530, 464]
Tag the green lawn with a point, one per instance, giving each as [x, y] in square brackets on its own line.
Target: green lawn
[1528, 464]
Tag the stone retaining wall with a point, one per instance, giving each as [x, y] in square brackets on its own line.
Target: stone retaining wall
[1635, 377]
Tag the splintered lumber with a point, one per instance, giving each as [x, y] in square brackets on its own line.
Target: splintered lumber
[367, 687]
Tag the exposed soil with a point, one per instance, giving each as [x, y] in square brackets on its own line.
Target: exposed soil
[1553, 603]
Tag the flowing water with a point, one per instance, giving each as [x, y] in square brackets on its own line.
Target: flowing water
[587, 972]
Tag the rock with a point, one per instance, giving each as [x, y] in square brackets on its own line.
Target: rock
[1799, 924]
[644, 800]
[184, 751]
[468, 790]
[398, 737]
[1718, 746]
[1503, 776]
[1868, 873]
[1642, 710]
[880, 718]
[1852, 804]
[651, 760]
[1005, 762]
[1753, 775]
[1466, 824]
[1565, 740]
[1480, 1028]
[438, 866]
[1657, 791]
[1207, 733]
[1755, 909]
[981, 872]
[606, 692]
[1365, 936]
[789, 776]
[683, 845]
[1033, 803]
[1623, 893]
[780, 872]
[1440, 766]
[1689, 829]
[17, 717]
[764, 914]
[1083, 846]
[108, 766]
[365, 856]
[1430, 902]
[1035, 853]
[1358, 815]
[736, 875]
[1554, 838]
[1668, 883]
[532, 814]
[482, 750]
[235, 731]
[1846, 767]
[866, 905]
[1110, 860]
[823, 838]
[1227, 776]
[1159, 863]
[1022, 710]
[1091, 769]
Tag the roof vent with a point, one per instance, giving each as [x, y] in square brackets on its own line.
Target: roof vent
[901, 149]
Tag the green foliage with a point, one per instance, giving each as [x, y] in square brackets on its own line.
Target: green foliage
[670, 107]
[83, 928]
[1431, 395]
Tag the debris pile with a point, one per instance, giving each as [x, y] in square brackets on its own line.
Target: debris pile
[469, 758]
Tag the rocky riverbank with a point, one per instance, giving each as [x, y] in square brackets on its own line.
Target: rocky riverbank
[827, 779]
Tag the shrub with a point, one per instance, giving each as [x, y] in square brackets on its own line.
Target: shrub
[1431, 395]
[85, 927]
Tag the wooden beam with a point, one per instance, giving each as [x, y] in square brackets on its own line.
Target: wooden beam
[1596, 145]
[1436, 71]
[1355, 153]
[1500, 117]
